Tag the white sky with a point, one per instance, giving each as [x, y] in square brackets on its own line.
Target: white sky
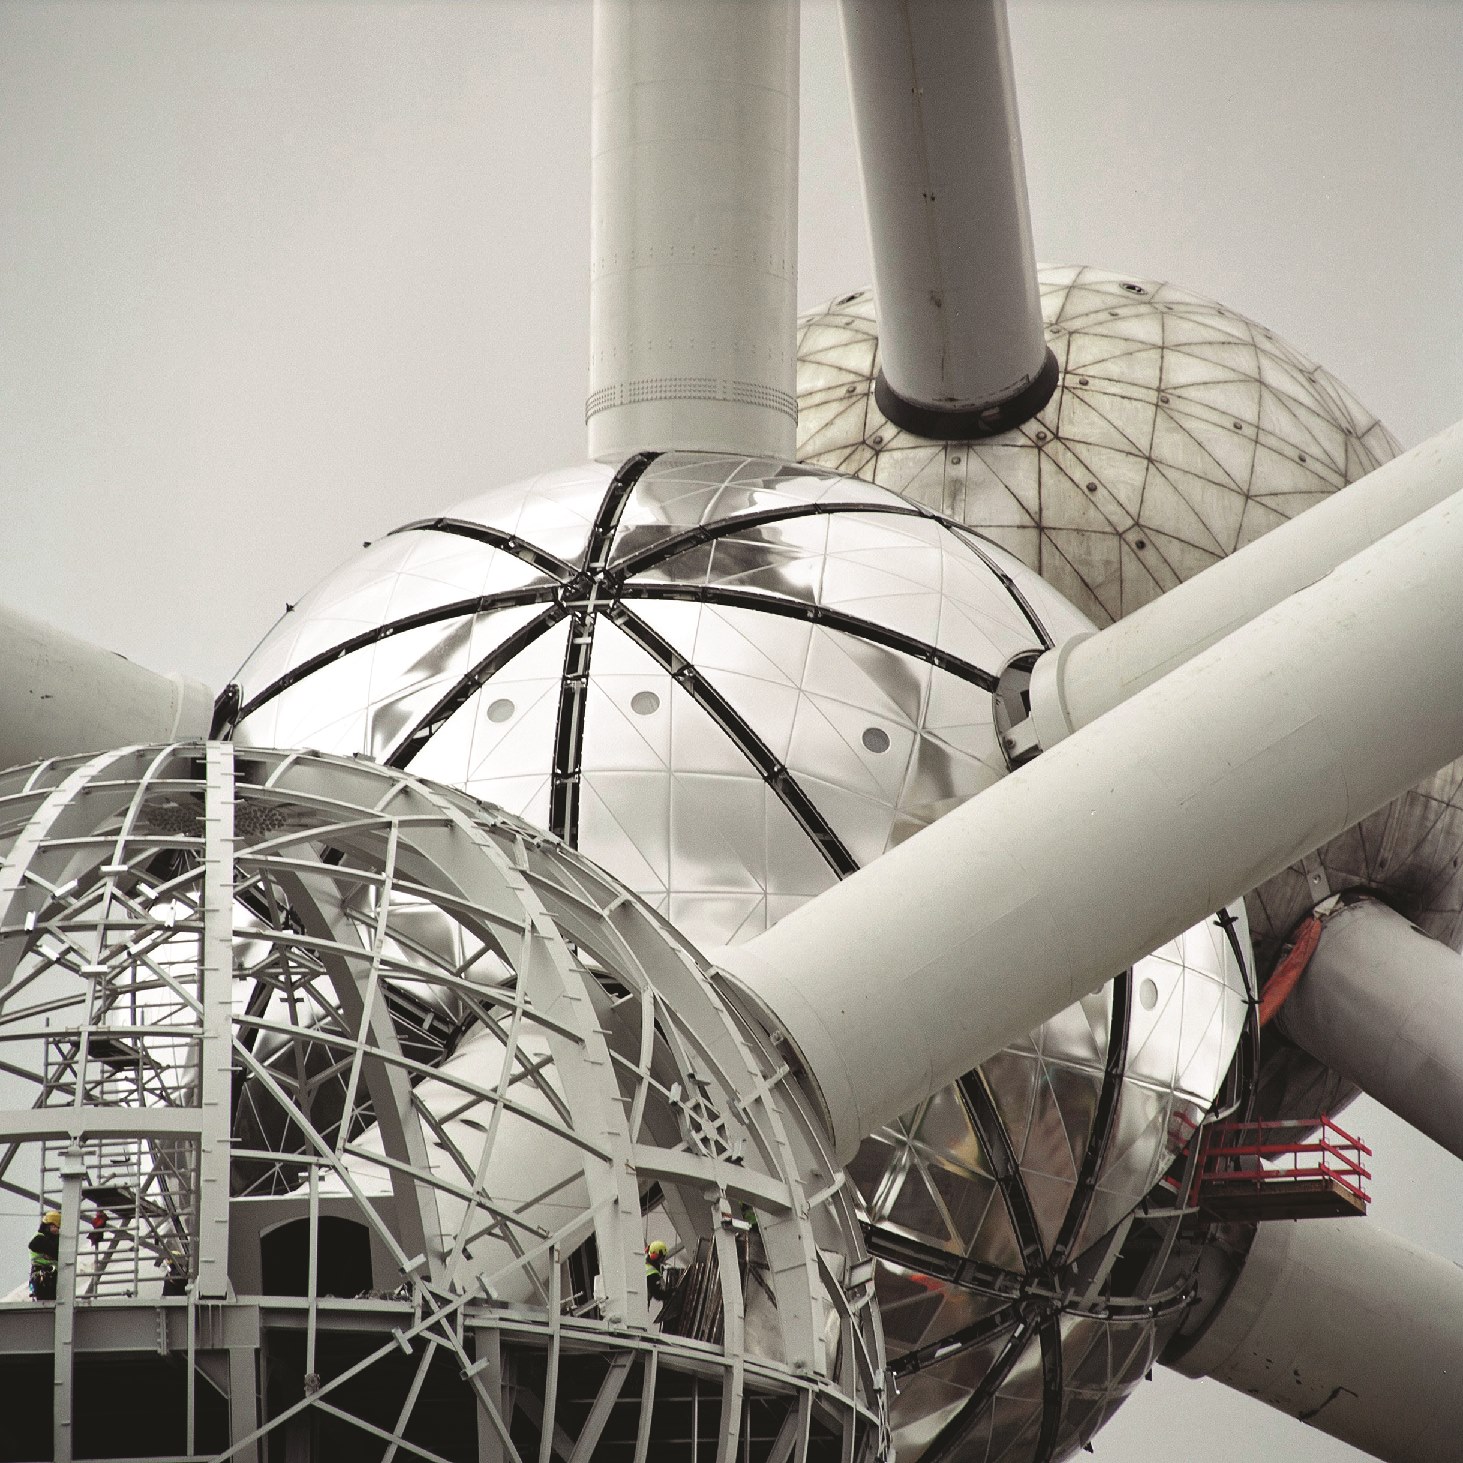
[278, 275]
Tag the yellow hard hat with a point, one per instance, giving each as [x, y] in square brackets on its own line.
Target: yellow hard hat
[51, 1216]
[657, 1249]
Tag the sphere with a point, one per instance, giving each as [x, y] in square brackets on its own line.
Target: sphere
[1179, 432]
[731, 682]
[403, 1087]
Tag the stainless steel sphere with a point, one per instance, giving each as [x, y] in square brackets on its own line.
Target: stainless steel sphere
[732, 682]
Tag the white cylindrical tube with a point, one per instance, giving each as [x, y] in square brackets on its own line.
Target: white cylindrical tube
[1382, 1004]
[60, 695]
[962, 351]
[693, 280]
[1038, 889]
[1085, 677]
[1349, 1329]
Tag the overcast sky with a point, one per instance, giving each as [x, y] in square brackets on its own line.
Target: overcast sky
[275, 277]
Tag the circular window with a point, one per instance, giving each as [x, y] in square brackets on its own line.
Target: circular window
[876, 739]
[1147, 993]
[500, 710]
[644, 703]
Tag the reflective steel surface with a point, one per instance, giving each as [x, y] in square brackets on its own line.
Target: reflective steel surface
[732, 682]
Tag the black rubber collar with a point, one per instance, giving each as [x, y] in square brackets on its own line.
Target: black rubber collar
[963, 424]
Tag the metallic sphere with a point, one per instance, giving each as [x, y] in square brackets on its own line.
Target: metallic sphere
[732, 682]
[1179, 432]
[402, 1088]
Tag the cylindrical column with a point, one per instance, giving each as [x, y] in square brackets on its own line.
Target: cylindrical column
[693, 279]
[60, 695]
[961, 345]
[1037, 890]
[1083, 678]
[1382, 1004]
[1349, 1329]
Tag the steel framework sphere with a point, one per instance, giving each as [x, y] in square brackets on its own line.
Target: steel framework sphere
[403, 1088]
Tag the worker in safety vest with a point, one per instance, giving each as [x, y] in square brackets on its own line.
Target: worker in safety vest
[659, 1278]
[45, 1251]
[45, 1248]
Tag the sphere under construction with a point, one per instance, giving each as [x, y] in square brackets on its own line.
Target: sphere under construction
[383, 1096]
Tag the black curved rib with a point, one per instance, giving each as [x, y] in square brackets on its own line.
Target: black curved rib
[1104, 1119]
[657, 553]
[747, 742]
[574, 681]
[503, 600]
[949, 1443]
[509, 543]
[794, 609]
[975, 1334]
[1249, 1075]
[489, 666]
[963, 1271]
[996, 1142]
[971, 541]
[1051, 1385]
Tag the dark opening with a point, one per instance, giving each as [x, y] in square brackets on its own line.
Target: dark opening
[124, 1405]
[443, 1419]
[343, 1263]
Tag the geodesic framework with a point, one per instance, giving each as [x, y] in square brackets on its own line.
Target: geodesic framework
[1179, 432]
[732, 681]
[405, 1086]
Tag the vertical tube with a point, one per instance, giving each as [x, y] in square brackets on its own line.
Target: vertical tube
[1382, 1004]
[962, 349]
[1348, 1329]
[693, 278]
[63, 1410]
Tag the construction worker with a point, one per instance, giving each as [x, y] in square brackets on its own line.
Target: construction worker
[659, 1279]
[45, 1251]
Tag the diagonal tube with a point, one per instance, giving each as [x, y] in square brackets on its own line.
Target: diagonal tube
[1349, 1329]
[1382, 1004]
[961, 344]
[1090, 674]
[59, 695]
[1174, 803]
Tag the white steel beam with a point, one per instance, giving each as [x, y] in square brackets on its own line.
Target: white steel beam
[1039, 889]
[60, 695]
[1084, 677]
[693, 279]
[1350, 1329]
[961, 344]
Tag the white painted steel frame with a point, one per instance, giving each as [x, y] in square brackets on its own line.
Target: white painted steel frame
[342, 889]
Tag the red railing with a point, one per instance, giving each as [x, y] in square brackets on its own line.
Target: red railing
[1270, 1158]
